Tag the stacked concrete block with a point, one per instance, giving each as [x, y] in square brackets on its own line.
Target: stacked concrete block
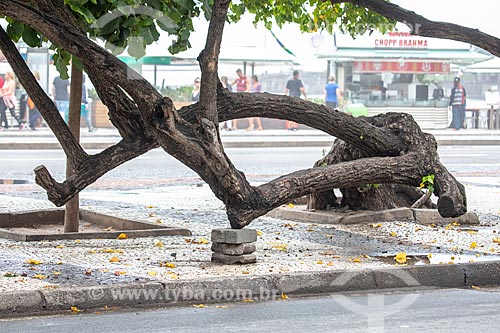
[234, 246]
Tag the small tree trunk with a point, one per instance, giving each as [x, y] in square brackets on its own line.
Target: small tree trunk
[72, 212]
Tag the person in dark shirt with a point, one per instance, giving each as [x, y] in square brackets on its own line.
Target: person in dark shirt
[294, 88]
[60, 91]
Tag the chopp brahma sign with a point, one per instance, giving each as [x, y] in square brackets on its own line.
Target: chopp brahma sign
[429, 67]
[402, 40]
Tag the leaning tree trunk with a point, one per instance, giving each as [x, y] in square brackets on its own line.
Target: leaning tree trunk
[369, 196]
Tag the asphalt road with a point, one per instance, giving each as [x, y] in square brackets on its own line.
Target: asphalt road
[467, 160]
[424, 311]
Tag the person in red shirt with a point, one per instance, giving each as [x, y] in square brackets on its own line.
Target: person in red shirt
[242, 85]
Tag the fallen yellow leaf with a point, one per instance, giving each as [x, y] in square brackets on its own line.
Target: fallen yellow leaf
[330, 263]
[473, 245]
[291, 205]
[429, 255]
[33, 262]
[401, 257]
[167, 264]
[59, 246]
[393, 234]
[74, 309]
[221, 306]
[472, 232]
[152, 273]
[149, 206]
[39, 276]
[475, 287]
[284, 296]
[119, 273]
[159, 244]
[496, 240]
[122, 236]
[247, 300]
[245, 272]
[56, 273]
[199, 306]
[111, 251]
[114, 259]
[281, 247]
[319, 262]
[357, 260]
[378, 225]
[200, 241]
[418, 229]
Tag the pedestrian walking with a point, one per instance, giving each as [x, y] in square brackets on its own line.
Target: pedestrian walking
[255, 87]
[195, 95]
[242, 85]
[294, 88]
[60, 91]
[9, 101]
[458, 99]
[85, 110]
[226, 125]
[333, 94]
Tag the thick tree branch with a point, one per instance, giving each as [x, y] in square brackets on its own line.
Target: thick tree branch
[209, 59]
[347, 174]
[48, 109]
[90, 170]
[420, 26]
[375, 141]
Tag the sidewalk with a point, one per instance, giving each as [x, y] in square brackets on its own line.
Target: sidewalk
[293, 258]
[102, 138]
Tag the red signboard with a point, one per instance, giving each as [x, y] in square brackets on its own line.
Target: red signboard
[430, 67]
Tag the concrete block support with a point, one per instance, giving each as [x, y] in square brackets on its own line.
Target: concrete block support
[233, 249]
[234, 236]
[231, 246]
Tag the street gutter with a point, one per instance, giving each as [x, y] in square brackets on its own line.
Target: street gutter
[241, 288]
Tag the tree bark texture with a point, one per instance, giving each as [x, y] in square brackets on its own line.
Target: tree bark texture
[387, 149]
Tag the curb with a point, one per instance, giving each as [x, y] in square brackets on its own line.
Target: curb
[416, 215]
[241, 144]
[226, 289]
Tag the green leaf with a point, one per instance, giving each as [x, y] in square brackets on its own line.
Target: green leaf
[136, 48]
[15, 30]
[31, 37]
[83, 11]
[61, 66]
